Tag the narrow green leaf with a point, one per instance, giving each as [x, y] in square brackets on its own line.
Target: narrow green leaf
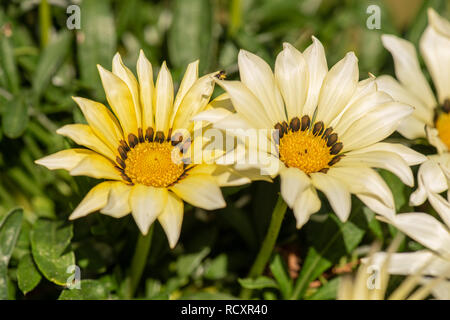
[89, 290]
[191, 33]
[15, 117]
[8, 64]
[186, 264]
[28, 275]
[281, 276]
[9, 232]
[96, 42]
[50, 244]
[258, 283]
[49, 62]
[217, 269]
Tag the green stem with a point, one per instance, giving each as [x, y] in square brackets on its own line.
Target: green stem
[45, 22]
[267, 246]
[139, 260]
[235, 17]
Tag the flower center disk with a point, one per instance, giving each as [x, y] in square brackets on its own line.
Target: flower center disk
[443, 127]
[154, 164]
[310, 148]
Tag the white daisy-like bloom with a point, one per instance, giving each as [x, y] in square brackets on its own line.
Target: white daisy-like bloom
[330, 128]
[144, 149]
[431, 117]
[431, 262]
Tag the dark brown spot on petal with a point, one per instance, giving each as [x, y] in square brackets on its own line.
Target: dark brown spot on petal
[141, 135]
[120, 162]
[336, 148]
[279, 129]
[120, 169]
[332, 138]
[132, 140]
[149, 134]
[446, 105]
[295, 124]
[335, 160]
[177, 138]
[159, 136]
[324, 170]
[327, 132]
[124, 144]
[285, 127]
[126, 178]
[305, 123]
[318, 128]
[169, 134]
[122, 152]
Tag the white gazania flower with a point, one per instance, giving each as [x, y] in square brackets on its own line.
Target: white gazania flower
[330, 126]
[142, 149]
[434, 262]
[431, 117]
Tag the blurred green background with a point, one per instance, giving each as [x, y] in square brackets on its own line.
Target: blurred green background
[43, 64]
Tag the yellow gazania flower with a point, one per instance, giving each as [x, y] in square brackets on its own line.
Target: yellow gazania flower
[431, 117]
[137, 148]
[330, 127]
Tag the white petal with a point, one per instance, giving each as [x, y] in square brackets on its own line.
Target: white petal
[200, 190]
[212, 115]
[83, 135]
[120, 100]
[171, 219]
[305, 205]
[125, 74]
[101, 121]
[291, 74]
[118, 204]
[338, 87]
[95, 199]
[65, 159]
[147, 89]
[424, 229]
[163, 99]
[336, 192]
[375, 126]
[435, 48]
[381, 159]
[317, 70]
[147, 203]
[293, 183]
[368, 186]
[412, 128]
[407, 68]
[247, 105]
[409, 155]
[258, 77]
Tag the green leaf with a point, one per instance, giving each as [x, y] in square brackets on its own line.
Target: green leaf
[28, 275]
[186, 264]
[89, 290]
[258, 283]
[8, 64]
[338, 240]
[191, 33]
[9, 232]
[96, 42]
[15, 117]
[217, 269]
[50, 244]
[208, 296]
[49, 62]
[327, 292]
[281, 276]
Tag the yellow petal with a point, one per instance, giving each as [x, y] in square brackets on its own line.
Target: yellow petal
[120, 100]
[118, 200]
[171, 219]
[200, 190]
[101, 121]
[125, 74]
[83, 135]
[147, 204]
[163, 99]
[145, 75]
[96, 166]
[65, 159]
[93, 201]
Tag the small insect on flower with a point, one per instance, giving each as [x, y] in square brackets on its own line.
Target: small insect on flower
[221, 75]
[144, 148]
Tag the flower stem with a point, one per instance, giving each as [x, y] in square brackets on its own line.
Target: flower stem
[267, 245]
[45, 22]
[139, 260]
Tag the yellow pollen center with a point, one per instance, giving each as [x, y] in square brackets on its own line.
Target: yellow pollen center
[303, 150]
[443, 127]
[154, 164]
